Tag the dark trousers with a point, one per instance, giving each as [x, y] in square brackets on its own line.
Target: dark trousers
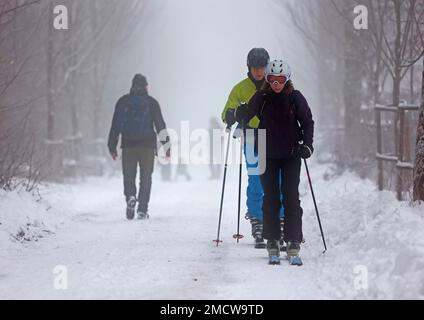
[131, 158]
[289, 172]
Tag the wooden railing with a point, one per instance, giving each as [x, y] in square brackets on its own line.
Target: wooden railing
[400, 135]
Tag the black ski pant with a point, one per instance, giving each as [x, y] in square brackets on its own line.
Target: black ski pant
[289, 171]
[144, 158]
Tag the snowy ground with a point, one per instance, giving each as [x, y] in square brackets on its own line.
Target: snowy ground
[373, 241]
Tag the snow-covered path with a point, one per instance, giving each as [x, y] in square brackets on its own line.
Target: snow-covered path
[172, 255]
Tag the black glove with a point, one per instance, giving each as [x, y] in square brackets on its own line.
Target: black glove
[305, 152]
[230, 117]
[241, 113]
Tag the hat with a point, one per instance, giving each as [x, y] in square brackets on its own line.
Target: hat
[139, 81]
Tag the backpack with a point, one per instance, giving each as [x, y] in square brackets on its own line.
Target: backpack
[136, 120]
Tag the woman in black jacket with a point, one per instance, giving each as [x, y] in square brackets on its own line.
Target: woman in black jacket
[287, 118]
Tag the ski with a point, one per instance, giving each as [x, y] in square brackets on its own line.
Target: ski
[274, 260]
[295, 261]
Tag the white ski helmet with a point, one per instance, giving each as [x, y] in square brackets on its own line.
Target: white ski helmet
[278, 68]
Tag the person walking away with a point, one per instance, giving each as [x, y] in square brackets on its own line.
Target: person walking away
[137, 120]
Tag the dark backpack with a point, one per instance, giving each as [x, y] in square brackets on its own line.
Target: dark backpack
[136, 119]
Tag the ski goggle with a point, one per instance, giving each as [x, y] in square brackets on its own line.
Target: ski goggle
[276, 79]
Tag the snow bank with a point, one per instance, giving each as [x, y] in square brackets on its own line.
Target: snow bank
[25, 218]
[375, 243]
[28, 217]
[369, 233]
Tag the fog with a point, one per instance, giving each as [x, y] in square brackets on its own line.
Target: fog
[60, 82]
[80, 154]
[194, 52]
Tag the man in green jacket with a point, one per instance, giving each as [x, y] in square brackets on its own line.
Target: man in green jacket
[257, 60]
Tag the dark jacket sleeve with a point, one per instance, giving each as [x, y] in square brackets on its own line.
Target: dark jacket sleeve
[158, 120]
[253, 108]
[114, 130]
[304, 116]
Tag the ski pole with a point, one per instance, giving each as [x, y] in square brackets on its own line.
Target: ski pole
[223, 185]
[239, 236]
[315, 204]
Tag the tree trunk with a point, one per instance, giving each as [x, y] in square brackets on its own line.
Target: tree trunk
[419, 152]
[398, 54]
[51, 147]
[397, 79]
[96, 75]
[352, 89]
[49, 64]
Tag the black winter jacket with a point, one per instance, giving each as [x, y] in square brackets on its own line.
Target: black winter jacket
[287, 119]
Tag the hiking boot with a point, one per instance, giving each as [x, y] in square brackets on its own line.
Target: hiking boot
[131, 202]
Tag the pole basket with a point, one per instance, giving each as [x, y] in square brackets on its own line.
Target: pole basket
[238, 237]
[217, 242]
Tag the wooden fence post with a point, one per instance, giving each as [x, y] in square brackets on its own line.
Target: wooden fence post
[400, 142]
[379, 149]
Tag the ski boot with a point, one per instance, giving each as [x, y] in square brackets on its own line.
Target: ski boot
[257, 229]
[131, 202]
[283, 247]
[273, 247]
[293, 249]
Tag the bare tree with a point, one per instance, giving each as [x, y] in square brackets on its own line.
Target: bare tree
[11, 6]
[339, 49]
[16, 66]
[53, 81]
[121, 23]
[419, 152]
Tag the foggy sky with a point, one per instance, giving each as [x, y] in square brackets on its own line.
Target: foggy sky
[194, 52]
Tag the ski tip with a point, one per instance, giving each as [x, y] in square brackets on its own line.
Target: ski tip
[274, 260]
[295, 261]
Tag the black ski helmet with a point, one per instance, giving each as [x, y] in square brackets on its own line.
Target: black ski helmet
[258, 58]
